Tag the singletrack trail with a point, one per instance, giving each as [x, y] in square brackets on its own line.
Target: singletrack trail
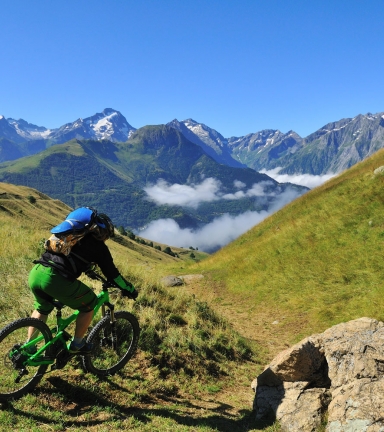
[268, 329]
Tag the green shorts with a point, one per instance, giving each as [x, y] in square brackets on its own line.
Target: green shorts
[47, 285]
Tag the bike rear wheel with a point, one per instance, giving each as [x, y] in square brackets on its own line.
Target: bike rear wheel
[113, 344]
[16, 379]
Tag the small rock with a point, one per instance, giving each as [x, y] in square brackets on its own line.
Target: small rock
[170, 281]
[379, 170]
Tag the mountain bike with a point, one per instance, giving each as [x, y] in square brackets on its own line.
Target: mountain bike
[22, 364]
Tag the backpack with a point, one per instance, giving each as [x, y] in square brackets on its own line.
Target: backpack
[63, 243]
[78, 223]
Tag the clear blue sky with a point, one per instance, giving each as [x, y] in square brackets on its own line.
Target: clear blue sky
[238, 66]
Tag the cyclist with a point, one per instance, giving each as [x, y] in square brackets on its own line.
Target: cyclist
[55, 275]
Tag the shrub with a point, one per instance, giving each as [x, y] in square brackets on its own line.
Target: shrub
[131, 235]
[121, 230]
[168, 251]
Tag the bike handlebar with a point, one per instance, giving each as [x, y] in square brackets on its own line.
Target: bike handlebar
[92, 274]
[96, 276]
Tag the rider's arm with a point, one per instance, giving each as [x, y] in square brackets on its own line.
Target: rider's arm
[126, 286]
[101, 255]
[107, 266]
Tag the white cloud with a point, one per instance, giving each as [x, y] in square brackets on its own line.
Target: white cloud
[208, 190]
[212, 236]
[239, 184]
[257, 190]
[308, 180]
[184, 195]
[216, 234]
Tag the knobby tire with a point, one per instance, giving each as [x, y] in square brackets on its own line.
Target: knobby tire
[105, 358]
[14, 384]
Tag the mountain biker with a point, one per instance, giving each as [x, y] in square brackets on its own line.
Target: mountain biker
[55, 275]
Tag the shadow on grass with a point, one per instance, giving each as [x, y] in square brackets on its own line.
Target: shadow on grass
[80, 401]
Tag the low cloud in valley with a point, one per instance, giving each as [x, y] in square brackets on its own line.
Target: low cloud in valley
[308, 180]
[208, 190]
[221, 230]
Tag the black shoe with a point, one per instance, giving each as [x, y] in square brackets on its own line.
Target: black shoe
[86, 349]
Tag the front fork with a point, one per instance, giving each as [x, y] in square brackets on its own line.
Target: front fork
[111, 313]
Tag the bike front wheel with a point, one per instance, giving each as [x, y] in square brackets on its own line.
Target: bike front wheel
[16, 378]
[113, 344]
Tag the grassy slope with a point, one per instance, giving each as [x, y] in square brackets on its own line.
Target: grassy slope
[30, 162]
[315, 263]
[24, 226]
[189, 358]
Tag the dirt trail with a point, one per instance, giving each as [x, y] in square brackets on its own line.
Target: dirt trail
[266, 329]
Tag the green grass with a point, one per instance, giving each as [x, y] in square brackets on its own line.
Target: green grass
[316, 262]
[189, 358]
[26, 163]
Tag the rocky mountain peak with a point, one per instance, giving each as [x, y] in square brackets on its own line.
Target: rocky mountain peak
[109, 124]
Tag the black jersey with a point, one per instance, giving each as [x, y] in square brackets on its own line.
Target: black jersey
[85, 252]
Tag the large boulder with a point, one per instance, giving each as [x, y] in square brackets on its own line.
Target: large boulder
[338, 374]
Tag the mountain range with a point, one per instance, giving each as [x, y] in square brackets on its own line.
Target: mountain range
[182, 171]
[156, 174]
[331, 149]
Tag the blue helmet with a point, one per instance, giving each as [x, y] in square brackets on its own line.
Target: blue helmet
[78, 220]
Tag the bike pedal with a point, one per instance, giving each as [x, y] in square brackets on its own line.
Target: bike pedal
[62, 359]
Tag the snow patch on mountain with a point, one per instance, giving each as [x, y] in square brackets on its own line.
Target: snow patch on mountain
[29, 131]
[109, 125]
[103, 127]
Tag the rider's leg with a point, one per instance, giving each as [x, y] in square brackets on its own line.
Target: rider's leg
[82, 323]
[31, 330]
[45, 283]
[78, 344]
[39, 278]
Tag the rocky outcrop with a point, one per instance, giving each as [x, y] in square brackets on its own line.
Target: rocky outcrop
[336, 377]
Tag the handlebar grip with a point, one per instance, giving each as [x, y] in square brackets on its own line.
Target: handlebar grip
[132, 295]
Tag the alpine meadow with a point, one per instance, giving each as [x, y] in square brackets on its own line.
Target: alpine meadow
[192, 216]
[314, 263]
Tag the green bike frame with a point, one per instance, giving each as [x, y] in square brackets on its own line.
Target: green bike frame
[59, 331]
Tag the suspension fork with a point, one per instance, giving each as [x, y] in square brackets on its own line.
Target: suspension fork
[111, 313]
